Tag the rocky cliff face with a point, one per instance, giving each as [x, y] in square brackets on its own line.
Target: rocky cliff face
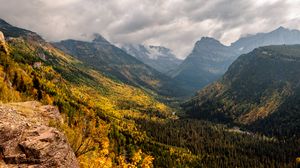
[27, 141]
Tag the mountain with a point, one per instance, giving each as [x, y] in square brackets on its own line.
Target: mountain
[116, 63]
[98, 111]
[260, 90]
[160, 58]
[278, 36]
[109, 123]
[207, 62]
[210, 59]
[13, 31]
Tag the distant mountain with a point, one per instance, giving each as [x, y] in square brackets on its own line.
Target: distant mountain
[210, 59]
[276, 37]
[207, 62]
[261, 89]
[116, 63]
[160, 58]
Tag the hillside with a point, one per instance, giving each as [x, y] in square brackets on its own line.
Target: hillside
[98, 111]
[117, 64]
[158, 57]
[260, 90]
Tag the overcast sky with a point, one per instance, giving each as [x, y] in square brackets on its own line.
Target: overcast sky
[176, 24]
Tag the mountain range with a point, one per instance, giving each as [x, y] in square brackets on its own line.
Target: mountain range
[116, 63]
[210, 59]
[260, 90]
[278, 36]
[117, 111]
[160, 58]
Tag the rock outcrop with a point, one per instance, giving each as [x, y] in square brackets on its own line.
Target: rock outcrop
[27, 141]
[1, 37]
[3, 43]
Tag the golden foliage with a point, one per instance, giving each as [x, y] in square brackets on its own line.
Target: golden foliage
[90, 102]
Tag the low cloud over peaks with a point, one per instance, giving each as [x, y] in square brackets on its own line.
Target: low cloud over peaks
[177, 24]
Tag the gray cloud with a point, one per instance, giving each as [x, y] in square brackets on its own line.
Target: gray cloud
[177, 24]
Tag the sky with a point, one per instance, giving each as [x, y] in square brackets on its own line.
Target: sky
[176, 24]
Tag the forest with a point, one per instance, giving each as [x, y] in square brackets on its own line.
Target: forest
[112, 124]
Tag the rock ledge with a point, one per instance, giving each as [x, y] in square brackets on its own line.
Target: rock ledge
[27, 141]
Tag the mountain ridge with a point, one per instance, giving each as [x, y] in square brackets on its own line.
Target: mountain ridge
[210, 59]
[253, 89]
[116, 63]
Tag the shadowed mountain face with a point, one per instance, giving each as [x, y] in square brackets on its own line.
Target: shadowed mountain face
[260, 89]
[160, 58]
[116, 63]
[207, 62]
[210, 59]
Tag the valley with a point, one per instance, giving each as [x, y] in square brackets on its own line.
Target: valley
[118, 111]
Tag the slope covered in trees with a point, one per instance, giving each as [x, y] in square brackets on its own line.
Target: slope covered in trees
[116, 63]
[95, 107]
[260, 90]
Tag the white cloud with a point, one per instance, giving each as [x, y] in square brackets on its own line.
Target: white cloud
[177, 24]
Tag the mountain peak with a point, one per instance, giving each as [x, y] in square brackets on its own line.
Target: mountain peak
[4, 23]
[281, 29]
[160, 48]
[208, 41]
[100, 39]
